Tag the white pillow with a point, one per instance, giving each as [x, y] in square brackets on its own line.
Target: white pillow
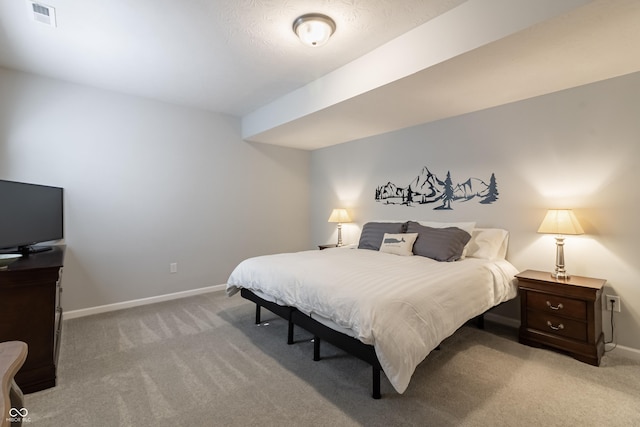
[488, 243]
[398, 244]
[466, 226]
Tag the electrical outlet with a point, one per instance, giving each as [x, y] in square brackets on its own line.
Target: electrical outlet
[613, 301]
[173, 267]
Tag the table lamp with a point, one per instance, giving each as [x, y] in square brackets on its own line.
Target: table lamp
[339, 216]
[560, 222]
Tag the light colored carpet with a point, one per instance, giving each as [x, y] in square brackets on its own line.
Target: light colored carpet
[201, 361]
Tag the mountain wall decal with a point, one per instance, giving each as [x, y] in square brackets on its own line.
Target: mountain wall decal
[427, 188]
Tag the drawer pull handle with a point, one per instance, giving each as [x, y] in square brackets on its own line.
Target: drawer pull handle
[555, 307]
[555, 328]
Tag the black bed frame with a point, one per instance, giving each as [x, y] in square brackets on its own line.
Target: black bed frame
[320, 332]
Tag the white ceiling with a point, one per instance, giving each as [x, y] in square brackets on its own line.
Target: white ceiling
[390, 64]
[229, 56]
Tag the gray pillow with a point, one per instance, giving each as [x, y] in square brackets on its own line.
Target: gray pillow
[441, 244]
[373, 232]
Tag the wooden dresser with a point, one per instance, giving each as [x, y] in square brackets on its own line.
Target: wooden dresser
[562, 314]
[31, 311]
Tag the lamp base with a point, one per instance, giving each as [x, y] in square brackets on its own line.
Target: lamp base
[560, 276]
[561, 273]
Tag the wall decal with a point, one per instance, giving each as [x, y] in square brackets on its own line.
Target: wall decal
[427, 188]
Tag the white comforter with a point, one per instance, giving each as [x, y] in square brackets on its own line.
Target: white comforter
[403, 305]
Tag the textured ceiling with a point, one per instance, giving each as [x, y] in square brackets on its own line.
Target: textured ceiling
[390, 63]
[228, 56]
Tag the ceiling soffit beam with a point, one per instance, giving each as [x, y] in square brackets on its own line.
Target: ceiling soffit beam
[469, 26]
[589, 44]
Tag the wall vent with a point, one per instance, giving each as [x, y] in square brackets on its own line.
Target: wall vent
[42, 13]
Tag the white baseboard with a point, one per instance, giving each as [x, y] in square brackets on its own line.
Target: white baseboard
[138, 302]
[622, 351]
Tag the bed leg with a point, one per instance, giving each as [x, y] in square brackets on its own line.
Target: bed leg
[290, 332]
[257, 314]
[376, 382]
[316, 348]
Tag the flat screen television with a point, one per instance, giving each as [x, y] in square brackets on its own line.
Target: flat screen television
[29, 214]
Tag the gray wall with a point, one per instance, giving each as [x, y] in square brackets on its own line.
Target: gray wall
[147, 184]
[574, 149]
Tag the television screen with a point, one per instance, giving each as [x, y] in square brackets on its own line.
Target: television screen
[29, 214]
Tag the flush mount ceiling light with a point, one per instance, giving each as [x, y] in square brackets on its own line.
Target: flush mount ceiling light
[314, 29]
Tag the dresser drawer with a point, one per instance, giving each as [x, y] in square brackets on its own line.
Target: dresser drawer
[557, 325]
[557, 305]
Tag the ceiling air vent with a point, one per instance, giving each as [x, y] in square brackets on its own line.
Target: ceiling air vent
[42, 13]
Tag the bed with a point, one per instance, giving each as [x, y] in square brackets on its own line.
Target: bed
[384, 301]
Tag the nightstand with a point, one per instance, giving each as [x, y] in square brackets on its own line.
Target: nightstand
[321, 247]
[564, 314]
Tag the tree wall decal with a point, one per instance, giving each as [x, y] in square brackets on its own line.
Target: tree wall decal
[427, 188]
[492, 192]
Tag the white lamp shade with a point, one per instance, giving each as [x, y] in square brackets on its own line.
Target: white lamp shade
[560, 221]
[339, 215]
[314, 29]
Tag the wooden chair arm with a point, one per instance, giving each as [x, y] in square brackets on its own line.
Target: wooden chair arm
[12, 356]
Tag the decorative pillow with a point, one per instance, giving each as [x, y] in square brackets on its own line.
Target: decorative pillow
[398, 244]
[466, 226]
[373, 232]
[441, 244]
[488, 243]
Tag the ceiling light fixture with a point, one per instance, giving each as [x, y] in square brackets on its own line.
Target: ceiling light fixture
[314, 29]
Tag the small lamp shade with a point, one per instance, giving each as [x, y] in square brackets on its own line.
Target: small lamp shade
[339, 215]
[560, 221]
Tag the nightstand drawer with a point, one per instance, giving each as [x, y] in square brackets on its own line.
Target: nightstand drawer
[557, 305]
[557, 325]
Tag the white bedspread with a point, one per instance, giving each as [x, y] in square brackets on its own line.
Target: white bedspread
[403, 306]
